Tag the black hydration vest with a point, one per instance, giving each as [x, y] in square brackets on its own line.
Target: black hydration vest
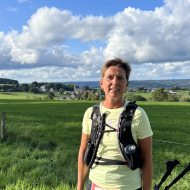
[129, 149]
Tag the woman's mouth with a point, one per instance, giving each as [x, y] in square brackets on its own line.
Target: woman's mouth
[114, 89]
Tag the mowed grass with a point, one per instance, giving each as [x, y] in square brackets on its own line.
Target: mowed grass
[27, 95]
[182, 94]
[43, 139]
[145, 95]
[15, 95]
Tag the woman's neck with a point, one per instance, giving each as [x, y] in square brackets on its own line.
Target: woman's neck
[110, 104]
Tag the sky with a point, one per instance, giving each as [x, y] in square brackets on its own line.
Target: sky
[61, 41]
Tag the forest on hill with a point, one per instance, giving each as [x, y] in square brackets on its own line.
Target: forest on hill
[8, 81]
[148, 84]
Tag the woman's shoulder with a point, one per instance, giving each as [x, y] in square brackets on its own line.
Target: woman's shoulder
[88, 111]
[140, 113]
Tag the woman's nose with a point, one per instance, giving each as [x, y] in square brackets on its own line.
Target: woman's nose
[115, 81]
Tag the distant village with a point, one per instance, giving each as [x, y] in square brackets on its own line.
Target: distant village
[73, 94]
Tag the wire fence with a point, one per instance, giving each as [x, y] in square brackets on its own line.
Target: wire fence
[171, 142]
[158, 140]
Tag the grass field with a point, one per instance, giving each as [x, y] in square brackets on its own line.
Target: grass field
[145, 95]
[27, 95]
[43, 139]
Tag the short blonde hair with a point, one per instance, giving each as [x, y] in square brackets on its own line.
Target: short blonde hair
[116, 62]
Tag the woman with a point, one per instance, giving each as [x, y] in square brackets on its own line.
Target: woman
[114, 81]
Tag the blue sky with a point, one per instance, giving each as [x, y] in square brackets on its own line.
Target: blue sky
[43, 40]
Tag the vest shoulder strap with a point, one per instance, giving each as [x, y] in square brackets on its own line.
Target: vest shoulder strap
[96, 119]
[125, 135]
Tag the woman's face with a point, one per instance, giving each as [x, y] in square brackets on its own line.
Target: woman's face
[114, 83]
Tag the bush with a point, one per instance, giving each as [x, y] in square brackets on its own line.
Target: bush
[51, 94]
[94, 97]
[185, 99]
[159, 95]
[138, 98]
[102, 98]
[48, 97]
[61, 90]
[129, 98]
[173, 98]
[33, 90]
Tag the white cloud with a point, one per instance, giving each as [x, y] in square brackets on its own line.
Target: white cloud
[152, 36]
[152, 71]
[156, 42]
[13, 9]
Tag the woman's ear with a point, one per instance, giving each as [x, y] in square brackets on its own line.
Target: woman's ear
[127, 85]
[101, 84]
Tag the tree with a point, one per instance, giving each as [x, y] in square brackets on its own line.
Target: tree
[130, 90]
[41, 84]
[48, 97]
[58, 86]
[4, 88]
[33, 90]
[138, 98]
[86, 87]
[90, 95]
[100, 91]
[85, 95]
[70, 87]
[24, 87]
[64, 86]
[173, 98]
[94, 97]
[92, 91]
[174, 88]
[185, 99]
[61, 90]
[128, 96]
[141, 89]
[159, 95]
[102, 98]
[49, 85]
[51, 94]
[138, 89]
[35, 84]
[184, 88]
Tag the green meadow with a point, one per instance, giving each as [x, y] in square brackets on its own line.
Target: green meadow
[27, 95]
[43, 138]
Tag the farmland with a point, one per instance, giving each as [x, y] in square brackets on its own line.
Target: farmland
[27, 95]
[43, 139]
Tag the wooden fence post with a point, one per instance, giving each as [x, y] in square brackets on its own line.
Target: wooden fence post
[3, 126]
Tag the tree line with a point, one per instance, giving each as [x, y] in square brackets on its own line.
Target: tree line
[162, 95]
[8, 81]
[159, 95]
[95, 94]
[33, 87]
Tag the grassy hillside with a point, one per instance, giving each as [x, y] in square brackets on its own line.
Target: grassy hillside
[43, 139]
[27, 95]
